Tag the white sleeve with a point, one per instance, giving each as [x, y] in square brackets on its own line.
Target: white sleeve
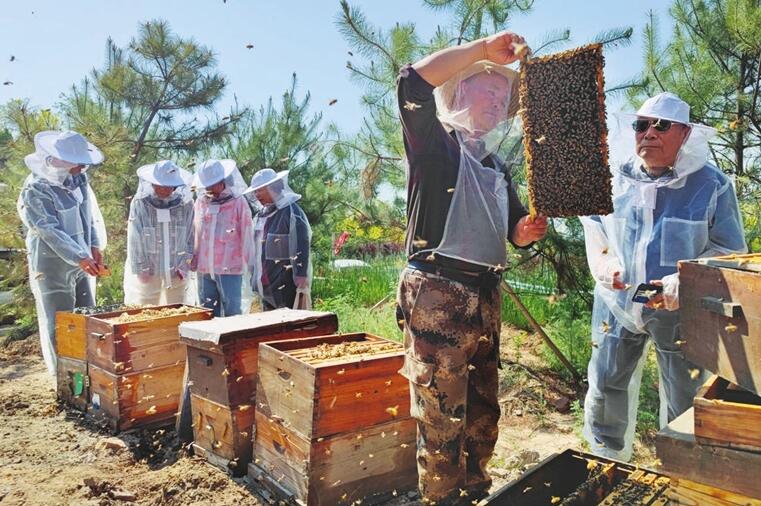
[603, 263]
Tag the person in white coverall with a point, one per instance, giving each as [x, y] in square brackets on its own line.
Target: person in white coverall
[64, 229]
[670, 204]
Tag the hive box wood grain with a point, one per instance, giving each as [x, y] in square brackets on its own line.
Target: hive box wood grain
[726, 415]
[721, 317]
[138, 345]
[73, 382]
[333, 429]
[683, 457]
[137, 399]
[222, 359]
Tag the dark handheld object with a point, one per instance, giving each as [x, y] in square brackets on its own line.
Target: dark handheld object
[645, 292]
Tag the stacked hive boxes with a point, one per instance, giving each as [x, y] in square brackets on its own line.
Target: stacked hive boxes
[124, 367]
[332, 420]
[222, 372]
[717, 444]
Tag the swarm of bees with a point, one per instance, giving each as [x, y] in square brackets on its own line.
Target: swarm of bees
[562, 105]
[327, 351]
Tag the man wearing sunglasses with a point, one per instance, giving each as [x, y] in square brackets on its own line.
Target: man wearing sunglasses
[670, 204]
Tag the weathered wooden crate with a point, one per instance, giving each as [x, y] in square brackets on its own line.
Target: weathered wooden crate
[222, 360]
[333, 429]
[223, 435]
[137, 399]
[71, 328]
[727, 469]
[142, 344]
[578, 478]
[689, 493]
[726, 415]
[721, 317]
[71, 336]
[73, 382]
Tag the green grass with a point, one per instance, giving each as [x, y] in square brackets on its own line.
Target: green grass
[363, 286]
[380, 321]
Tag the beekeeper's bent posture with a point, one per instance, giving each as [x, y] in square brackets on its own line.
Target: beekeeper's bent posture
[64, 229]
[669, 204]
[456, 107]
[159, 236]
[224, 236]
[282, 273]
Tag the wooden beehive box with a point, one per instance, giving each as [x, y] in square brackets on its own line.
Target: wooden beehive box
[332, 420]
[145, 398]
[135, 364]
[726, 415]
[684, 458]
[134, 340]
[71, 336]
[578, 478]
[73, 382]
[721, 316]
[71, 328]
[222, 370]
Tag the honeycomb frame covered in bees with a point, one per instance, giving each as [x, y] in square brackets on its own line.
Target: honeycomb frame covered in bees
[562, 106]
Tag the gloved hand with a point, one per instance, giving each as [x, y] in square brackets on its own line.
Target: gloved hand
[669, 298]
[610, 275]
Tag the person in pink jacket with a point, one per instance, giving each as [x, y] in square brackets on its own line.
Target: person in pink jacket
[223, 236]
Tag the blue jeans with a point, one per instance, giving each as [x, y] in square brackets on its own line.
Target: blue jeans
[221, 293]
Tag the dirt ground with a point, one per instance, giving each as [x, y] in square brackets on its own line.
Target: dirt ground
[50, 455]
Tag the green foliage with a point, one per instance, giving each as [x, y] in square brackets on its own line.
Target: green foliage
[364, 286]
[352, 318]
[570, 329]
[25, 325]
[289, 138]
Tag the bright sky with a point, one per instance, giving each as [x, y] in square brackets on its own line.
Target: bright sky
[56, 43]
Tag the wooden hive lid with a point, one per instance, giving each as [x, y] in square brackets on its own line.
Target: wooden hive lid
[750, 262]
[219, 330]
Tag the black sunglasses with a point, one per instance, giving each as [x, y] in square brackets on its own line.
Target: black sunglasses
[661, 125]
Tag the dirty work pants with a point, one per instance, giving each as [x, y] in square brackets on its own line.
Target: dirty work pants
[615, 374]
[451, 336]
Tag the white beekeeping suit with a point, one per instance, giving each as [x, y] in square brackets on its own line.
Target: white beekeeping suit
[690, 211]
[282, 271]
[64, 229]
[159, 236]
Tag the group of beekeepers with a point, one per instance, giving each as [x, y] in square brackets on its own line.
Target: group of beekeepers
[171, 237]
[455, 105]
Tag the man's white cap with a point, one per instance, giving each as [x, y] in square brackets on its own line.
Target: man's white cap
[264, 178]
[164, 173]
[213, 171]
[67, 146]
[666, 106]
